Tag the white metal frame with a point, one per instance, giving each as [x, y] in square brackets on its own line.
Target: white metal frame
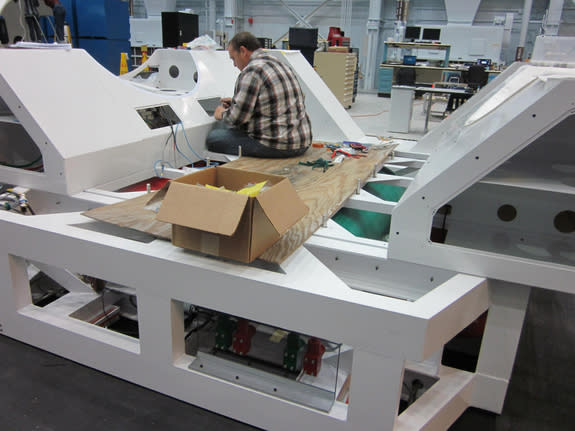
[396, 311]
[514, 110]
[386, 334]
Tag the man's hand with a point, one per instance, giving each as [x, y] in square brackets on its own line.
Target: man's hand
[219, 112]
[226, 102]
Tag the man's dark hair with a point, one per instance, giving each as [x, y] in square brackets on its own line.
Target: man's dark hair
[246, 39]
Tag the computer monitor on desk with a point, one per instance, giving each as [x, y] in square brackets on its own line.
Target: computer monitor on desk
[431, 34]
[485, 62]
[412, 33]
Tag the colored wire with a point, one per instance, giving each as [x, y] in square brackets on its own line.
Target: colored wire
[178, 148]
[188, 142]
[163, 163]
[174, 145]
[165, 145]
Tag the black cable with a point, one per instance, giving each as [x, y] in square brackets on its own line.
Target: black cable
[166, 144]
[199, 327]
[104, 309]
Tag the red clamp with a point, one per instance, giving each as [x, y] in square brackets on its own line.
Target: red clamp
[359, 147]
[346, 153]
[340, 151]
[312, 358]
[242, 341]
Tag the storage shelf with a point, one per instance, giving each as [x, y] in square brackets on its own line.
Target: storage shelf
[556, 178]
[418, 45]
[415, 45]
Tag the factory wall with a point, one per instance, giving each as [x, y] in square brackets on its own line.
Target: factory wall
[271, 19]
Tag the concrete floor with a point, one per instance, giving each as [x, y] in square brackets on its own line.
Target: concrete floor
[371, 113]
[44, 392]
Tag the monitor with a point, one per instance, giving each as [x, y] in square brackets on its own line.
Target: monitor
[484, 62]
[431, 34]
[412, 33]
[209, 105]
[302, 38]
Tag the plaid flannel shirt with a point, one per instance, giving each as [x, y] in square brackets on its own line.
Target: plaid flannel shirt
[268, 104]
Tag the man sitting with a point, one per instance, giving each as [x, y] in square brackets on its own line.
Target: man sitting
[266, 116]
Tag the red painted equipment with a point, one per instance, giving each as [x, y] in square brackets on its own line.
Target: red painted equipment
[312, 358]
[242, 342]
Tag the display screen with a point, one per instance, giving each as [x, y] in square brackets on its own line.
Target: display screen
[412, 32]
[159, 116]
[209, 105]
[431, 34]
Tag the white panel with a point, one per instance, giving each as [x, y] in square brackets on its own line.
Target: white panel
[465, 41]
[156, 7]
[85, 122]
[146, 31]
[502, 119]
[477, 47]
[461, 11]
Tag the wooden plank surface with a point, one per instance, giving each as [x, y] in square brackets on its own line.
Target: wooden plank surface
[133, 214]
[323, 192]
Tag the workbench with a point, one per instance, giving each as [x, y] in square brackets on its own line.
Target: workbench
[424, 75]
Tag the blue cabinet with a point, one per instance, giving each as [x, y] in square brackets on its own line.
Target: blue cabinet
[108, 19]
[385, 80]
[101, 27]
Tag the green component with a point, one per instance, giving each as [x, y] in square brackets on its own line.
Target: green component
[293, 345]
[368, 224]
[319, 163]
[224, 332]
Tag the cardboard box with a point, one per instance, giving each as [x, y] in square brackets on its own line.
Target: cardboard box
[338, 49]
[227, 224]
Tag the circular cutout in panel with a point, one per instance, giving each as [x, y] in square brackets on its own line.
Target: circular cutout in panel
[564, 221]
[506, 212]
[174, 71]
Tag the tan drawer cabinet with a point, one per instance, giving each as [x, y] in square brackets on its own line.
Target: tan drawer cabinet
[337, 71]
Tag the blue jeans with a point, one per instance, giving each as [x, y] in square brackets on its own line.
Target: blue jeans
[226, 140]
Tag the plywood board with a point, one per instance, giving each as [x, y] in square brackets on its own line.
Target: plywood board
[323, 192]
[133, 214]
